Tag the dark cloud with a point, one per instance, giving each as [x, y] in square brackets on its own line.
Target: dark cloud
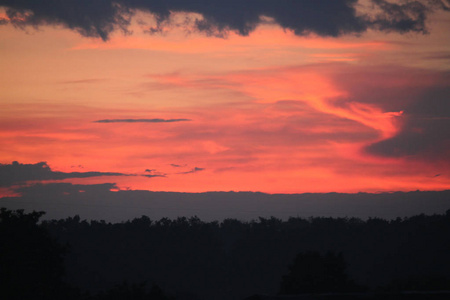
[16, 173]
[194, 170]
[404, 16]
[79, 166]
[90, 18]
[392, 88]
[141, 120]
[177, 166]
[326, 18]
[423, 96]
[153, 175]
[425, 132]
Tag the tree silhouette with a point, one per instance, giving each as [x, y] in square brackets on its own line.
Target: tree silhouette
[312, 272]
[127, 291]
[31, 263]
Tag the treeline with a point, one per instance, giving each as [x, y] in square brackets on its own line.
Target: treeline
[191, 259]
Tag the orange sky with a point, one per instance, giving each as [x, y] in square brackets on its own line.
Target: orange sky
[272, 111]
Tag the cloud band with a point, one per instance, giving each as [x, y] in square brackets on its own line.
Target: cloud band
[141, 120]
[322, 17]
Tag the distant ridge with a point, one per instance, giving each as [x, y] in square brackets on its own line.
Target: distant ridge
[61, 200]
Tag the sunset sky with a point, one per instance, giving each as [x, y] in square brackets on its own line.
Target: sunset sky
[193, 96]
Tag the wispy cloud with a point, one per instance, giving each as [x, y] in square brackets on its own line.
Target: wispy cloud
[178, 166]
[141, 120]
[194, 170]
[81, 81]
[153, 175]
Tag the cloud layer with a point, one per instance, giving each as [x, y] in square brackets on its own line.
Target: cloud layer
[194, 170]
[424, 130]
[322, 17]
[100, 202]
[16, 173]
[425, 133]
[141, 120]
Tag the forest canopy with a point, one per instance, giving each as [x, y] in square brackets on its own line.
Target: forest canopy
[192, 259]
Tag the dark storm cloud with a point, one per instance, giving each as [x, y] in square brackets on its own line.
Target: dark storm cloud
[141, 120]
[425, 133]
[90, 18]
[326, 18]
[404, 16]
[16, 173]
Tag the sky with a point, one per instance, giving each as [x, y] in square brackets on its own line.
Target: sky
[191, 96]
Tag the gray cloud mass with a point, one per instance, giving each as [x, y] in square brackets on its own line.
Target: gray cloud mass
[16, 173]
[425, 133]
[323, 17]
